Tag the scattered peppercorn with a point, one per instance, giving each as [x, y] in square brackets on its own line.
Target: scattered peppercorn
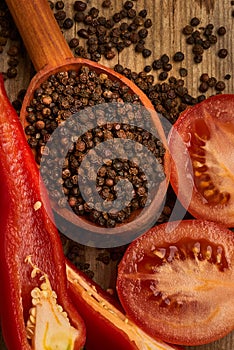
[222, 53]
[59, 5]
[203, 86]
[147, 69]
[183, 72]
[128, 5]
[80, 6]
[143, 13]
[221, 31]
[79, 17]
[74, 42]
[11, 72]
[60, 15]
[212, 81]
[68, 23]
[187, 30]
[106, 3]
[178, 56]
[194, 22]
[220, 86]
[227, 77]
[146, 53]
[148, 23]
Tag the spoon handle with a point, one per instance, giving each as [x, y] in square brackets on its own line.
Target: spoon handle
[40, 32]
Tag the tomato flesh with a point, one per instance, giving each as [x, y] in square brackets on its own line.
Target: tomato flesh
[177, 282]
[200, 159]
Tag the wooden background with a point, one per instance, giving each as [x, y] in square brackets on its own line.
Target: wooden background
[169, 17]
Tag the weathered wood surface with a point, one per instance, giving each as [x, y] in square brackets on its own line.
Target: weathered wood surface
[169, 17]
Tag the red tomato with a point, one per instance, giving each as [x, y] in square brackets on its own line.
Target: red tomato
[200, 161]
[177, 282]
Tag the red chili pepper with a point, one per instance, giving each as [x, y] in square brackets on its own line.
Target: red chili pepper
[32, 266]
[107, 326]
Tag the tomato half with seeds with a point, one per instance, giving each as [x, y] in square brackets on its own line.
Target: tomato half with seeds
[200, 159]
[177, 282]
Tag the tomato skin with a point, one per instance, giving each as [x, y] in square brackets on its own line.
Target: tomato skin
[212, 119]
[202, 289]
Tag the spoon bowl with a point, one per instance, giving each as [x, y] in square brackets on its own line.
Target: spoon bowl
[51, 54]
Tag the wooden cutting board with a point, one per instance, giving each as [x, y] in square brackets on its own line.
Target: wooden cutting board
[165, 36]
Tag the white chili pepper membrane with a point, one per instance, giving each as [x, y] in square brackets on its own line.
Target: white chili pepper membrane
[48, 326]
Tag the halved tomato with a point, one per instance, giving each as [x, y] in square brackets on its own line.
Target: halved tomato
[176, 282]
[200, 159]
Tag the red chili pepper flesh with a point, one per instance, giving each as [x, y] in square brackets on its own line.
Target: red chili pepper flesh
[34, 293]
[106, 323]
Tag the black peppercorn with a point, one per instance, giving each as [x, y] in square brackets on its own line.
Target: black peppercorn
[143, 13]
[221, 31]
[227, 76]
[116, 17]
[157, 64]
[167, 67]
[194, 22]
[190, 40]
[83, 33]
[68, 23]
[60, 15]
[187, 30]
[204, 77]
[110, 23]
[147, 69]
[178, 56]
[80, 6]
[163, 76]
[13, 62]
[94, 12]
[211, 81]
[134, 38]
[148, 23]
[59, 5]
[183, 72]
[143, 33]
[205, 44]
[88, 20]
[139, 47]
[222, 53]
[128, 5]
[197, 58]
[198, 49]
[106, 3]
[164, 59]
[110, 54]
[212, 39]
[12, 72]
[220, 86]
[131, 13]
[203, 87]
[118, 68]
[146, 53]
[74, 42]
[13, 51]
[79, 17]
[51, 4]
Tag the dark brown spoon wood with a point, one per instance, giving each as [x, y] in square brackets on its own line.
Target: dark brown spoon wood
[50, 54]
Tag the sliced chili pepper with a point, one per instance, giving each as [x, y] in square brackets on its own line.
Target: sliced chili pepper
[36, 311]
[106, 324]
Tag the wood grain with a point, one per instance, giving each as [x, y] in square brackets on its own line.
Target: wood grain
[169, 17]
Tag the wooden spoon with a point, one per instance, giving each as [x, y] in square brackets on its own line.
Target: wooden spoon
[50, 54]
